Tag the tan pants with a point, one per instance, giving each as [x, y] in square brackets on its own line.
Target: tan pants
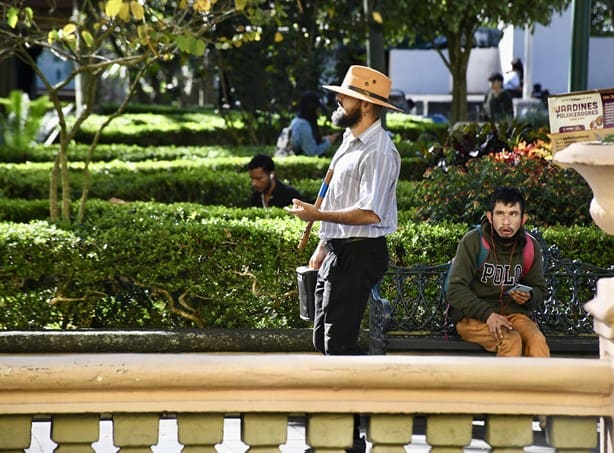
[524, 340]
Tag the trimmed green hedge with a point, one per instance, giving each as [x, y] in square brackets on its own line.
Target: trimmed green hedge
[221, 181]
[135, 268]
[208, 128]
[77, 152]
[554, 195]
[23, 211]
[145, 265]
[149, 129]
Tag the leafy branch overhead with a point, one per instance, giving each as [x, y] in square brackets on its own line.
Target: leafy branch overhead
[100, 36]
[154, 28]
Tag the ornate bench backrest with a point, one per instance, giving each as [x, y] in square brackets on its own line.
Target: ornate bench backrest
[417, 302]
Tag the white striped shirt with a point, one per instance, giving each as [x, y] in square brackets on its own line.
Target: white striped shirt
[365, 173]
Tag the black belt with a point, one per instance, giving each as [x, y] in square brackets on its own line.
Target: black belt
[332, 244]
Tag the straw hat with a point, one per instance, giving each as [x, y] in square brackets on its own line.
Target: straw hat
[366, 84]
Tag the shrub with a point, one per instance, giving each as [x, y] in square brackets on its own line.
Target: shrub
[77, 152]
[164, 126]
[132, 267]
[473, 140]
[555, 196]
[23, 211]
[146, 265]
[412, 128]
[149, 129]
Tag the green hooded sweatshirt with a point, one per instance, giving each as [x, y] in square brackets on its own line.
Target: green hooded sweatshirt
[477, 291]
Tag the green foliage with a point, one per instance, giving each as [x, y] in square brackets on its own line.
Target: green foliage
[423, 243]
[473, 140]
[305, 45]
[215, 181]
[554, 196]
[602, 18]
[150, 129]
[146, 265]
[141, 36]
[20, 120]
[414, 128]
[134, 266]
[473, 159]
[134, 153]
[23, 211]
[164, 127]
[581, 243]
[176, 181]
[33, 256]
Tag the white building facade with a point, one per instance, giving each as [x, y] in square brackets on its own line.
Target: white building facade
[546, 56]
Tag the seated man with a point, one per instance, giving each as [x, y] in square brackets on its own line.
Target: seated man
[489, 261]
[268, 190]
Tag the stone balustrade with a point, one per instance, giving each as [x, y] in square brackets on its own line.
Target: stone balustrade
[200, 390]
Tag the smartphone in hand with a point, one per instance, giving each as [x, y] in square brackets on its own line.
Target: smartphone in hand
[520, 287]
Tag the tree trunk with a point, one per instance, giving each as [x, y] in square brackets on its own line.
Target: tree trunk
[54, 210]
[459, 95]
[459, 61]
[459, 51]
[376, 48]
[65, 185]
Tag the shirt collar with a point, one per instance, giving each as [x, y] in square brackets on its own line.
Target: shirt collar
[366, 133]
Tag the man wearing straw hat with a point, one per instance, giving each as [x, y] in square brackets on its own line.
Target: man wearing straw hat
[358, 211]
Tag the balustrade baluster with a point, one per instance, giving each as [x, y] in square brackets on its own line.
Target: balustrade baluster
[75, 433]
[389, 433]
[509, 433]
[572, 434]
[199, 433]
[15, 433]
[135, 433]
[448, 433]
[329, 433]
[264, 433]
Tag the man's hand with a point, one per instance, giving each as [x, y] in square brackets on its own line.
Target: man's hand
[498, 324]
[520, 297]
[304, 211]
[318, 256]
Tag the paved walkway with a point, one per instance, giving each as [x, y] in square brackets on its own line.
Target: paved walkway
[41, 442]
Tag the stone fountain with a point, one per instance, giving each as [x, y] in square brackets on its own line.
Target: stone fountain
[595, 163]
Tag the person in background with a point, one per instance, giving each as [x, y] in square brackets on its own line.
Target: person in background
[483, 304]
[268, 190]
[540, 93]
[514, 79]
[498, 102]
[305, 135]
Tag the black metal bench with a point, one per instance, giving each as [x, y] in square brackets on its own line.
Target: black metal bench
[407, 310]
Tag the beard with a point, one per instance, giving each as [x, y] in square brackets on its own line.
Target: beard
[342, 118]
[505, 241]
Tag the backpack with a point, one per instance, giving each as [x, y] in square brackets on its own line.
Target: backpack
[528, 252]
[528, 255]
[283, 147]
[528, 258]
